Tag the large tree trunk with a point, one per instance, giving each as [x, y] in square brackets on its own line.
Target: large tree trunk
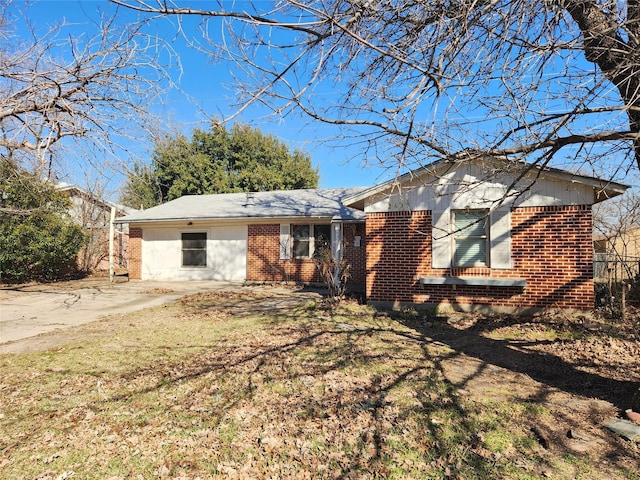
[617, 57]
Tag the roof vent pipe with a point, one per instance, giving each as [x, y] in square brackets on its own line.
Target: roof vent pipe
[251, 199]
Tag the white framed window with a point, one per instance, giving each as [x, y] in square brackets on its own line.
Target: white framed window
[194, 249]
[307, 239]
[470, 237]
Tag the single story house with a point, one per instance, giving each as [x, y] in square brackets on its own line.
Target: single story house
[472, 233]
[261, 236]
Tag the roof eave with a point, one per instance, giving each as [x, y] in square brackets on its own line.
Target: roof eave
[610, 190]
[328, 217]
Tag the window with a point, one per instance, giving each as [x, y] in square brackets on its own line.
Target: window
[470, 238]
[309, 239]
[321, 237]
[300, 236]
[194, 249]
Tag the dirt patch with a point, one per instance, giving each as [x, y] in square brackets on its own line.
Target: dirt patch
[158, 291]
[597, 359]
[255, 300]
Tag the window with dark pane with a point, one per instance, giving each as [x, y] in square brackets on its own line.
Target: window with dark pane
[308, 239]
[321, 238]
[194, 249]
[300, 236]
[470, 238]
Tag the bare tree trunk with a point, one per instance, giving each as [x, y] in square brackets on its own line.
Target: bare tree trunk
[623, 299]
[111, 245]
[618, 59]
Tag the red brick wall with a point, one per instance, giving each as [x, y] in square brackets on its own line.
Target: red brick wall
[135, 253]
[554, 246]
[551, 250]
[398, 247]
[264, 263]
[263, 258]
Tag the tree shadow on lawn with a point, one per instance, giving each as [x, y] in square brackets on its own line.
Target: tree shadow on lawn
[363, 406]
[299, 349]
[538, 382]
[516, 356]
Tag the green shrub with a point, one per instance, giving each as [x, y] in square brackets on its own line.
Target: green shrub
[38, 239]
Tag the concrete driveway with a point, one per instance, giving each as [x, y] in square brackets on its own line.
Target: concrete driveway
[27, 311]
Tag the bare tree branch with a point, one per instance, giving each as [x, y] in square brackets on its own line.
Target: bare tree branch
[418, 80]
[66, 85]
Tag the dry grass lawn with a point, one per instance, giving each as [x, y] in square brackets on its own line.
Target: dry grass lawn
[200, 389]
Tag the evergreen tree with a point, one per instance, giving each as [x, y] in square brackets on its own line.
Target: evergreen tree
[242, 159]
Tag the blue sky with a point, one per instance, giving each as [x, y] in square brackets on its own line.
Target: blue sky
[203, 90]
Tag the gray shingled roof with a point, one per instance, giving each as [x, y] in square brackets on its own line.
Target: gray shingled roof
[316, 203]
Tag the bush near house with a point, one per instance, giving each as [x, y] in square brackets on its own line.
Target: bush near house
[38, 239]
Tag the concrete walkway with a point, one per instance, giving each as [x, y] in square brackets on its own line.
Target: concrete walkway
[27, 311]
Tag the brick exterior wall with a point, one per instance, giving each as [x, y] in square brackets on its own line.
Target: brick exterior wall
[554, 246]
[264, 263]
[398, 248]
[135, 253]
[551, 249]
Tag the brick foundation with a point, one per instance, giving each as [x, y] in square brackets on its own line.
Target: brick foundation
[551, 250]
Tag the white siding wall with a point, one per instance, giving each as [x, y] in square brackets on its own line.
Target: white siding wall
[226, 254]
[471, 186]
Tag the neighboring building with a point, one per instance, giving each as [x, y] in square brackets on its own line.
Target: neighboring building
[623, 244]
[462, 234]
[93, 214]
[617, 256]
